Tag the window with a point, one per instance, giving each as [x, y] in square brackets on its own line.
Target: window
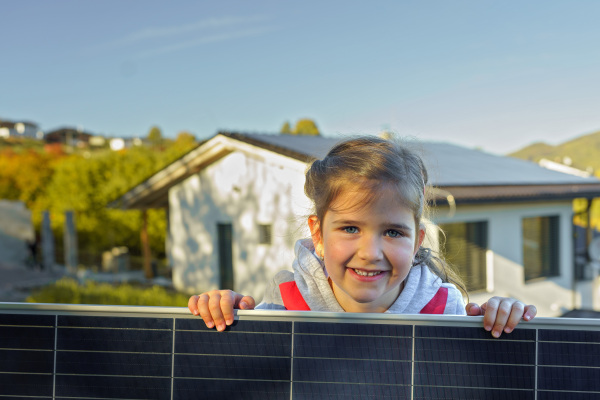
[540, 247]
[465, 249]
[264, 234]
[225, 242]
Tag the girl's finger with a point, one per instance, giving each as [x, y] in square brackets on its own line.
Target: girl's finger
[204, 311]
[502, 316]
[516, 313]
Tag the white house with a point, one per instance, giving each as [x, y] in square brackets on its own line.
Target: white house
[236, 206]
[20, 129]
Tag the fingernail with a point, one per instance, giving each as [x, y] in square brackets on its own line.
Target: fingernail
[195, 312]
[527, 318]
[496, 334]
[488, 328]
[507, 330]
[243, 304]
[210, 325]
[221, 327]
[229, 322]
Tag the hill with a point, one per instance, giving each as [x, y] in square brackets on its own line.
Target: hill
[583, 152]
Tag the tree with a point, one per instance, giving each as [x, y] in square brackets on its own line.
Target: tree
[155, 136]
[306, 126]
[286, 128]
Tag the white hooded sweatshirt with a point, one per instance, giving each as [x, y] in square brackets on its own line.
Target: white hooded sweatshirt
[421, 287]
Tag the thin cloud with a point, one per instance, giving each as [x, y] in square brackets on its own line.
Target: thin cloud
[158, 33]
[203, 40]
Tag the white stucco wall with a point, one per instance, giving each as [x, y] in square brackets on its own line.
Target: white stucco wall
[552, 296]
[244, 189]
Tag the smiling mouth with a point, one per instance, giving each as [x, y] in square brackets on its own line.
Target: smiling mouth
[366, 273]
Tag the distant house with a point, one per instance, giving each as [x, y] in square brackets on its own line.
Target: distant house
[236, 207]
[68, 136]
[20, 129]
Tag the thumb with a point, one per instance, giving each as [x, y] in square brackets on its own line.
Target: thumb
[247, 303]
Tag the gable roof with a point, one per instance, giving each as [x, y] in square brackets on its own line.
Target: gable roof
[470, 176]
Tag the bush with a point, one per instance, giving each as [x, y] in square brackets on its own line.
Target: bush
[69, 291]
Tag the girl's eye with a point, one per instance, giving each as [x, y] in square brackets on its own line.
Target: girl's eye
[393, 233]
[351, 229]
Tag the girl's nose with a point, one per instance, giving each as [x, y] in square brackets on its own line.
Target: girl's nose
[370, 248]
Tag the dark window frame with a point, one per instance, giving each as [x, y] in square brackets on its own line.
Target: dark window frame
[265, 234]
[541, 247]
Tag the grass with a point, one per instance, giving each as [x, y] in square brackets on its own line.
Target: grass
[69, 291]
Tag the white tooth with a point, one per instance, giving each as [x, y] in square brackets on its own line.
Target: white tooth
[365, 273]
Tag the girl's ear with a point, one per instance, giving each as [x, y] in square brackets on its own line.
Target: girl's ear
[420, 238]
[315, 232]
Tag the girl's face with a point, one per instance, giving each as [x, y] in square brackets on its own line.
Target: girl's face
[368, 249]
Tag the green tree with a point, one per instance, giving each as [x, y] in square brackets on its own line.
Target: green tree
[155, 136]
[286, 128]
[306, 126]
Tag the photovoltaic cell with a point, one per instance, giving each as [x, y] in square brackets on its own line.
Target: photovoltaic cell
[79, 352]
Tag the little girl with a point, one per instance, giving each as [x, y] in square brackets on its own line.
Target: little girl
[365, 252]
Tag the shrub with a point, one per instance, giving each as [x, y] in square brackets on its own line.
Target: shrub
[69, 291]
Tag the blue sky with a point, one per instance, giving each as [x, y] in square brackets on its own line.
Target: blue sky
[488, 74]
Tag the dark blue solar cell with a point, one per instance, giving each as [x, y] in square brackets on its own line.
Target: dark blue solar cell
[113, 387]
[26, 385]
[27, 319]
[352, 371]
[566, 395]
[568, 336]
[369, 347]
[569, 354]
[25, 337]
[223, 367]
[132, 340]
[446, 393]
[185, 388]
[197, 324]
[475, 351]
[142, 364]
[233, 343]
[353, 329]
[26, 361]
[474, 375]
[570, 379]
[345, 391]
[471, 333]
[114, 322]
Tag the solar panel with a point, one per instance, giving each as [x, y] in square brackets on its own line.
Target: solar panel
[100, 352]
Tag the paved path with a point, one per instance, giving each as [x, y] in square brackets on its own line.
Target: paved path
[17, 281]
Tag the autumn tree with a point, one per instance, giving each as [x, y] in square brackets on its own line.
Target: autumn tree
[304, 126]
[155, 136]
[286, 129]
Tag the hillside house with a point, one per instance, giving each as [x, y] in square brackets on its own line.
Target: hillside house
[68, 136]
[21, 129]
[236, 206]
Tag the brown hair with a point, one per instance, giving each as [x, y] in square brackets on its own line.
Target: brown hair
[374, 164]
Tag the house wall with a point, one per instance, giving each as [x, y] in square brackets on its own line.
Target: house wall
[552, 296]
[245, 188]
[252, 186]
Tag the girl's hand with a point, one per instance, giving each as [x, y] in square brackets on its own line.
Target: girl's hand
[502, 314]
[216, 307]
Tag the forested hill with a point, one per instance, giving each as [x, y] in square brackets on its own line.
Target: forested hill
[584, 152]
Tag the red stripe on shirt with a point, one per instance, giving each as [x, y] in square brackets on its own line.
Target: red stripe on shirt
[292, 298]
[437, 305]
